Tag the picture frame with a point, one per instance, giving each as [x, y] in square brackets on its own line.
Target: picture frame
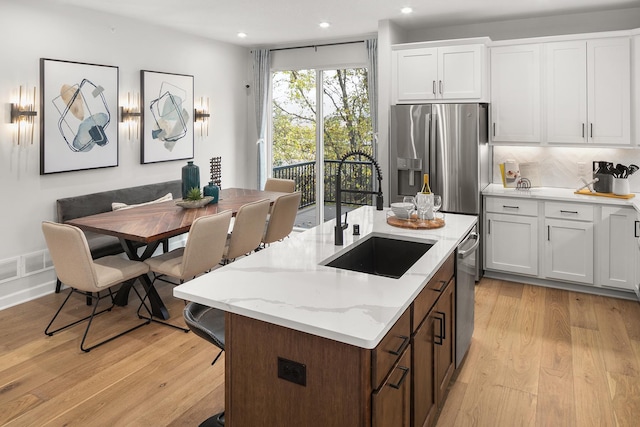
[78, 116]
[167, 117]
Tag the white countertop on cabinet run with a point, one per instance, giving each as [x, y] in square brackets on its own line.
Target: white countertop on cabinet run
[563, 194]
[286, 284]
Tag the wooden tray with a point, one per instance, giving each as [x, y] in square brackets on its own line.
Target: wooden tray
[586, 192]
[415, 223]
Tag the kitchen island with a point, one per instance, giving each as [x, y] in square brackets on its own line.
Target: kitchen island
[286, 309]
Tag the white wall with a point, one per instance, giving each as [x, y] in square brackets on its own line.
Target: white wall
[592, 22]
[28, 33]
[388, 34]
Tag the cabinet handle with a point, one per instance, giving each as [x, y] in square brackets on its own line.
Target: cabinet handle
[583, 130]
[444, 324]
[441, 336]
[636, 228]
[488, 226]
[591, 129]
[405, 371]
[443, 283]
[569, 212]
[437, 339]
[434, 87]
[510, 207]
[405, 342]
[494, 128]
[548, 233]
[440, 84]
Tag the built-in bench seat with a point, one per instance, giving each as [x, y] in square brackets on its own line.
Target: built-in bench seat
[95, 203]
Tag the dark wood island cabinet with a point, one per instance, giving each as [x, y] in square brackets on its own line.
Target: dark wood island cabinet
[277, 376]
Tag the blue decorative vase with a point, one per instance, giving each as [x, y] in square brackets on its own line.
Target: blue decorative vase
[211, 190]
[190, 178]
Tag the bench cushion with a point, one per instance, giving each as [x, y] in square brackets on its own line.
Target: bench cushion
[91, 204]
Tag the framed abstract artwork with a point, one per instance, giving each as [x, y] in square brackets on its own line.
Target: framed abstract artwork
[167, 117]
[79, 116]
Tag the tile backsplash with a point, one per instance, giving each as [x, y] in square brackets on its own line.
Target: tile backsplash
[558, 166]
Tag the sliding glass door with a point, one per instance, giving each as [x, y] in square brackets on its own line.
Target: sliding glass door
[318, 116]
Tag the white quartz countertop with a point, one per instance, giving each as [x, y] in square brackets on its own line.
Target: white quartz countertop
[563, 194]
[288, 285]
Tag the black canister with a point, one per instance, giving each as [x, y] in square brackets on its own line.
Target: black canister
[604, 172]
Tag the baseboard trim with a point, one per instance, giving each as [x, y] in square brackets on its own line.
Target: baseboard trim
[25, 295]
[595, 290]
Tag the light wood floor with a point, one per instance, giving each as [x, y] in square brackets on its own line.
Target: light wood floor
[546, 357]
[538, 357]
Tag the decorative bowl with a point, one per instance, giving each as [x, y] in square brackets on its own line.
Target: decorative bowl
[402, 209]
[192, 204]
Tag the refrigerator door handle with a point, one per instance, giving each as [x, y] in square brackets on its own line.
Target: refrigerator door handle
[433, 159]
[427, 148]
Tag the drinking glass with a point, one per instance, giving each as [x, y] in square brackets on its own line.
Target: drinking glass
[412, 200]
[422, 204]
[437, 204]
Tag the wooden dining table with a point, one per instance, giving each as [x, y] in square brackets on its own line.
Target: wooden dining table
[149, 225]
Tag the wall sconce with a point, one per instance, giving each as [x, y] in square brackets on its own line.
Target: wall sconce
[202, 116]
[23, 114]
[130, 114]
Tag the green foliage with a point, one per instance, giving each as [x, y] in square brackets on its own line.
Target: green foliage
[194, 194]
[347, 121]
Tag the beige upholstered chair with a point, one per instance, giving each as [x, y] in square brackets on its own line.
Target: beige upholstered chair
[75, 267]
[202, 252]
[282, 218]
[278, 184]
[247, 229]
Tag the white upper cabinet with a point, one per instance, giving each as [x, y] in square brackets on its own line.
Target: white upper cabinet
[428, 74]
[415, 74]
[515, 93]
[460, 70]
[588, 87]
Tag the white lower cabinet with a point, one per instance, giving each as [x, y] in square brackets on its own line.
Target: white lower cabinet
[569, 250]
[617, 254]
[581, 243]
[511, 240]
[568, 242]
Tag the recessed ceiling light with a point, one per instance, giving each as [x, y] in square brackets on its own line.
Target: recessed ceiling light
[242, 35]
[324, 24]
[406, 10]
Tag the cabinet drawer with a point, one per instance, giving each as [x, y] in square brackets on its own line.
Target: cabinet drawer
[429, 295]
[573, 211]
[390, 348]
[512, 206]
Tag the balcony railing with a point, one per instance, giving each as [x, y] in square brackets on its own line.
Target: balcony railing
[356, 175]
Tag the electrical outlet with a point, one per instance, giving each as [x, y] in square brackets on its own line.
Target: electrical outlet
[582, 170]
[292, 371]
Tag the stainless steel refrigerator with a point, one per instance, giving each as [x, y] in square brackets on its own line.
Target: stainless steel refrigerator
[449, 142]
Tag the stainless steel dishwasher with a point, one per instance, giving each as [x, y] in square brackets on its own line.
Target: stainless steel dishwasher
[466, 259]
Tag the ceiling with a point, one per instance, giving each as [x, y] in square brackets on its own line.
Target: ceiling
[281, 22]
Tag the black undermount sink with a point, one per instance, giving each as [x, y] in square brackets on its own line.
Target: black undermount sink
[381, 256]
